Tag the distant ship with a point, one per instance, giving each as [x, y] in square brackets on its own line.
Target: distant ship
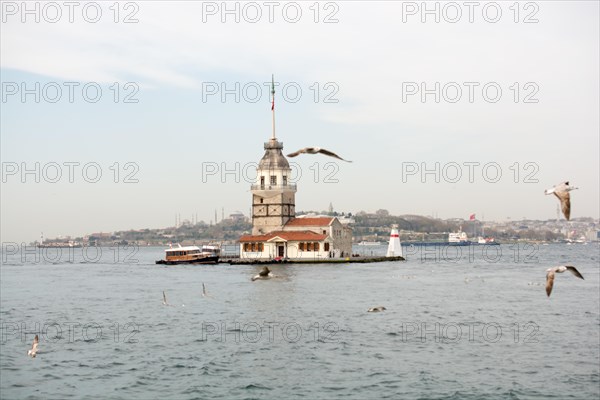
[365, 243]
[486, 240]
[459, 238]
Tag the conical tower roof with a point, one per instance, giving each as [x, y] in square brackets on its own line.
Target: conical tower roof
[273, 158]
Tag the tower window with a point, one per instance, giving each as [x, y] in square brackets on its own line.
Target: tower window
[285, 180]
[273, 180]
[261, 200]
[262, 181]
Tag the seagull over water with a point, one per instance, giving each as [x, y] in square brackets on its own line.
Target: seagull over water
[550, 275]
[562, 192]
[34, 348]
[265, 273]
[377, 309]
[315, 150]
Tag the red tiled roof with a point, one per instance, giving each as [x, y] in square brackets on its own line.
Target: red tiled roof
[287, 236]
[315, 221]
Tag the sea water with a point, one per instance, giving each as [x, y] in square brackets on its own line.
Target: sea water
[465, 323]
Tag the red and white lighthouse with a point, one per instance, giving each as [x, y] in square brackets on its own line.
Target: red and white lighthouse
[394, 248]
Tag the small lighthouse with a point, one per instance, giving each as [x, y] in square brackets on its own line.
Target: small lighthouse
[394, 248]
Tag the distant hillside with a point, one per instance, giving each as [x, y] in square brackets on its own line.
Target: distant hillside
[366, 226]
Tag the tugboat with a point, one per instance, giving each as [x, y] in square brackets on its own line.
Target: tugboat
[486, 240]
[189, 255]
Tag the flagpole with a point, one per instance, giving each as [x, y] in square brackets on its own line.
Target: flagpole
[482, 225]
[273, 104]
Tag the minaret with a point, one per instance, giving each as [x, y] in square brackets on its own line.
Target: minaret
[273, 196]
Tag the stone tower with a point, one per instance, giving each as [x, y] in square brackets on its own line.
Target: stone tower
[273, 196]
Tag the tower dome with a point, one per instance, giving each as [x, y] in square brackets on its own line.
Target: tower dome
[273, 158]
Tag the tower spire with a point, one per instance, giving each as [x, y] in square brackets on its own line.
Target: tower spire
[273, 104]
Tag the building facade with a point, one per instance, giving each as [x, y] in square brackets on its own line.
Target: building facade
[285, 244]
[339, 234]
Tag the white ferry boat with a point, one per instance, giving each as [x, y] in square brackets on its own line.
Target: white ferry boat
[459, 237]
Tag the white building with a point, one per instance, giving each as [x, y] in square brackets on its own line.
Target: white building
[281, 244]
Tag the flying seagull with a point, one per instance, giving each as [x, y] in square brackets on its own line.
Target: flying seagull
[315, 150]
[562, 192]
[559, 269]
[377, 309]
[34, 348]
[265, 273]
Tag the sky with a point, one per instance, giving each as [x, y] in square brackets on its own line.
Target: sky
[123, 115]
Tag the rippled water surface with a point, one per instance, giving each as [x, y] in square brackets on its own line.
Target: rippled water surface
[457, 326]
